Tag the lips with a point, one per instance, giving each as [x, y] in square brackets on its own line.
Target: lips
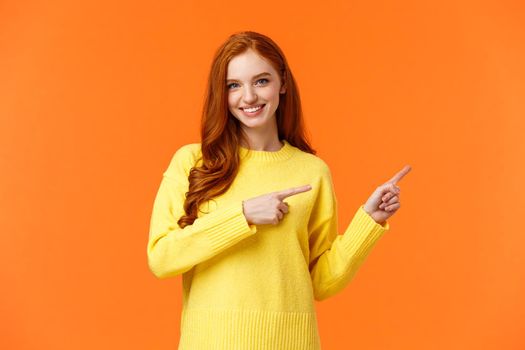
[255, 113]
[244, 108]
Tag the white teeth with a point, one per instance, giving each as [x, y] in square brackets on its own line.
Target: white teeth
[251, 110]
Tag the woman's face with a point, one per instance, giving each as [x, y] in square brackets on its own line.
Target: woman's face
[253, 82]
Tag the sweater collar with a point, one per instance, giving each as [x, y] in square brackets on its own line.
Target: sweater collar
[284, 153]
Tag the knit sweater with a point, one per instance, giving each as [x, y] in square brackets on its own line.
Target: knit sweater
[248, 286]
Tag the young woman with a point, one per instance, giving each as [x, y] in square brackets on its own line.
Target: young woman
[248, 216]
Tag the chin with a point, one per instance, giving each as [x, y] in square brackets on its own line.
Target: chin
[256, 122]
[253, 124]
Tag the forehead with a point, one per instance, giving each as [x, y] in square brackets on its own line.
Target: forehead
[247, 65]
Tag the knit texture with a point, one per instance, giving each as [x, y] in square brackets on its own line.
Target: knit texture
[248, 286]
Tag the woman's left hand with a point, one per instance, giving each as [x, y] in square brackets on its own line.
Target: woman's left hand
[384, 202]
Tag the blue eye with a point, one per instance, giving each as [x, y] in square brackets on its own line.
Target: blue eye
[229, 86]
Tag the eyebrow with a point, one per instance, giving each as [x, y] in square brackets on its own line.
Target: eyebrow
[254, 77]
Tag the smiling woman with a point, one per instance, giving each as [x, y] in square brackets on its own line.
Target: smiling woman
[252, 100]
[248, 216]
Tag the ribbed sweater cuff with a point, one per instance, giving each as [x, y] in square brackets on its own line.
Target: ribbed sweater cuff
[227, 226]
[365, 231]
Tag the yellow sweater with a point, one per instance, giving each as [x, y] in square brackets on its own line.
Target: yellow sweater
[253, 286]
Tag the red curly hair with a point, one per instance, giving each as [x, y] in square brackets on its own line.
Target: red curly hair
[221, 132]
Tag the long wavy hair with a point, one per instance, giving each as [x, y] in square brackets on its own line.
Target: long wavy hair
[221, 132]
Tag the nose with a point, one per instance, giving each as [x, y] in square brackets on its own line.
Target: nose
[249, 96]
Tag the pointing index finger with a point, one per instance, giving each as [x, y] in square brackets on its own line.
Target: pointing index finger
[400, 174]
[291, 191]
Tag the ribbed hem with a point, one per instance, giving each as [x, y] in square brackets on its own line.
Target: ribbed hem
[284, 153]
[203, 329]
[230, 226]
[365, 232]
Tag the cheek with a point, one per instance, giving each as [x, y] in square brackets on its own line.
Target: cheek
[274, 94]
[231, 101]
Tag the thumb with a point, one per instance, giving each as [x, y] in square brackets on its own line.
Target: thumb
[388, 187]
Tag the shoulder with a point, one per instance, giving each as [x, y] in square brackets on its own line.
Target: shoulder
[314, 163]
[187, 151]
[183, 159]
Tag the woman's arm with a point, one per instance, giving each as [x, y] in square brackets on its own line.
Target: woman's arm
[334, 258]
[171, 250]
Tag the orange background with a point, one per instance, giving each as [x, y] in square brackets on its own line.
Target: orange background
[96, 96]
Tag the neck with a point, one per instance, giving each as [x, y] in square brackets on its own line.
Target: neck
[262, 140]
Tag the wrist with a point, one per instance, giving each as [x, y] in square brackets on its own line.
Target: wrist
[366, 210]
[382, 223]
[244, 213]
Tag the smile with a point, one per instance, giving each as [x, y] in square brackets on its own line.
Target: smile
[252, 109]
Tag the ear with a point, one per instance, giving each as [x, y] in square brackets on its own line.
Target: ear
[283, 89]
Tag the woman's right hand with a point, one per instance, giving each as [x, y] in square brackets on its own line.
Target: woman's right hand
[269, 208]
